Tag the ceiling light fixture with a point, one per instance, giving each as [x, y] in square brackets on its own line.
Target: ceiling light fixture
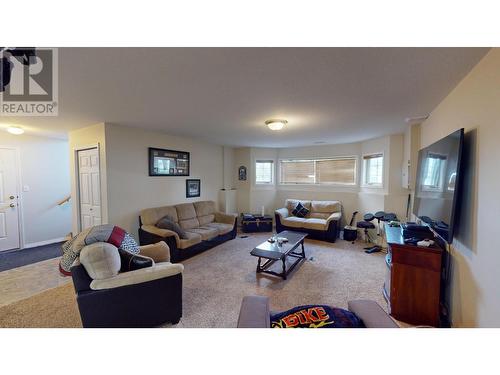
[15, 130]
[276, 124]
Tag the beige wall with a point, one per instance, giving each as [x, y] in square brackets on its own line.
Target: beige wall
[242, 157]
[475, 105]
[45, 170]
[127, 188]
[130, 189]
[391, 197]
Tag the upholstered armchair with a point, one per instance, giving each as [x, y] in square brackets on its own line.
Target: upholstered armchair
[144, 297]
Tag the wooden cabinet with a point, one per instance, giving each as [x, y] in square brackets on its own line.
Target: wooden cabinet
[413, 282]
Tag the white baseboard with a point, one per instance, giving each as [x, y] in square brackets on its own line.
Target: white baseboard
[42, 243]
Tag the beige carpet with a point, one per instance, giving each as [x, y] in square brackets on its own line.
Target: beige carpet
[216, 281]
[53, 308]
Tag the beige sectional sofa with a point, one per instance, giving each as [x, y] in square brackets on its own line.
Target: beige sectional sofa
[322, 222]
[204, 226]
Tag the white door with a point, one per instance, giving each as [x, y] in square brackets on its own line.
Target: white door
[9, 210]
[90, 188]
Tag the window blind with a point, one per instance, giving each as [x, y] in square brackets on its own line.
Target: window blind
[318, 171]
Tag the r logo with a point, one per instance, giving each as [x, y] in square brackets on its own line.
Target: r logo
[28, 82]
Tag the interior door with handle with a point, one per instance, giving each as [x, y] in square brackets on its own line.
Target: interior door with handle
[9, 210]
[90, 188]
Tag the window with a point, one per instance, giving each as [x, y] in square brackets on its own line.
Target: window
[373, 166]
[434, 170]
[264, 171]
[340, 171]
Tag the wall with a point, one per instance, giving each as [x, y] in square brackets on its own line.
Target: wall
[88, 137]
[391, 197]
[45, 169]
[242, 157]
[263, 195]
[131, 189]
[127, 188]
[475, 257]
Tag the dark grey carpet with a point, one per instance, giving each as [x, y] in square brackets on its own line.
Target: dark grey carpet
[22, 257]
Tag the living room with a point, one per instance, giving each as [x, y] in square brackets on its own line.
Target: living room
[258, 187]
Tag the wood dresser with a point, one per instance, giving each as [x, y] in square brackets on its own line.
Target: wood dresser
[413, 282]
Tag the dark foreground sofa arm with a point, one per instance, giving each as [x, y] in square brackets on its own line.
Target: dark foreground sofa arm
[372, 315]
[254, 312]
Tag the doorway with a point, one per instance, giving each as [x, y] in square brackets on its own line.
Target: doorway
[89, 186]
[9, 200]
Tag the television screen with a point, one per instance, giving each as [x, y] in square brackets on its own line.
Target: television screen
[437, 184]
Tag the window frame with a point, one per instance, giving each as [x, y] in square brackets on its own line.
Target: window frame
[364, 170]
[272, 172]
[340, 184]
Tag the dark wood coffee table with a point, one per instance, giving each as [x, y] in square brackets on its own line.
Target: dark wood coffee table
[274, 252]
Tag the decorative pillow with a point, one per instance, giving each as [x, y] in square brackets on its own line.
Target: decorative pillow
[131, 262]
[129, 244]
[315, 316]
[300, 210]
[166, 222]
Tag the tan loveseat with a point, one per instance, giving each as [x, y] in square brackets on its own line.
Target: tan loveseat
[203, 225]
[322, 222]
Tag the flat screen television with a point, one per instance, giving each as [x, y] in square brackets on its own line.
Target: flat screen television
[437, 186]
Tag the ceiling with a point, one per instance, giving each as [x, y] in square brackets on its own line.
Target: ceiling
[224, 95]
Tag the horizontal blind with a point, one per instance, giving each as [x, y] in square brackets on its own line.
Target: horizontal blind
[319, 171]
[297, 171]
[340, 171]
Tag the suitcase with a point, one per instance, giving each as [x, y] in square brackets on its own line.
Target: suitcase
[256, 223]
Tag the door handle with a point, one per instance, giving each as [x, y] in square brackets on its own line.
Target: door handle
[12, 205]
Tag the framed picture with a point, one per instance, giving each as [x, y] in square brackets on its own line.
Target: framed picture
[193, 188]
[242, 173]
[168, 162]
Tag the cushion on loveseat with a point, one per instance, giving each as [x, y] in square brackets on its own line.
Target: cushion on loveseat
[187, 216]
[325, 206]
[205, 211]
[222, 228]
[316, 224]
[206, 233]
[150, 216]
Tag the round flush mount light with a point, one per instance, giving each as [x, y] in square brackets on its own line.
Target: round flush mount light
[276, 124]
[15, 130]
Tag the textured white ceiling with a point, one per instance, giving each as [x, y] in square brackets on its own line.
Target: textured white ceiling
[224, 95]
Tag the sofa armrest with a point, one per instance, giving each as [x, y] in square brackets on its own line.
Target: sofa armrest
[254, 312]
[159, 252]
[221, 217]
[158, 271]
[372, 315]
[283, 212]
[333, 217]
[161, 232]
